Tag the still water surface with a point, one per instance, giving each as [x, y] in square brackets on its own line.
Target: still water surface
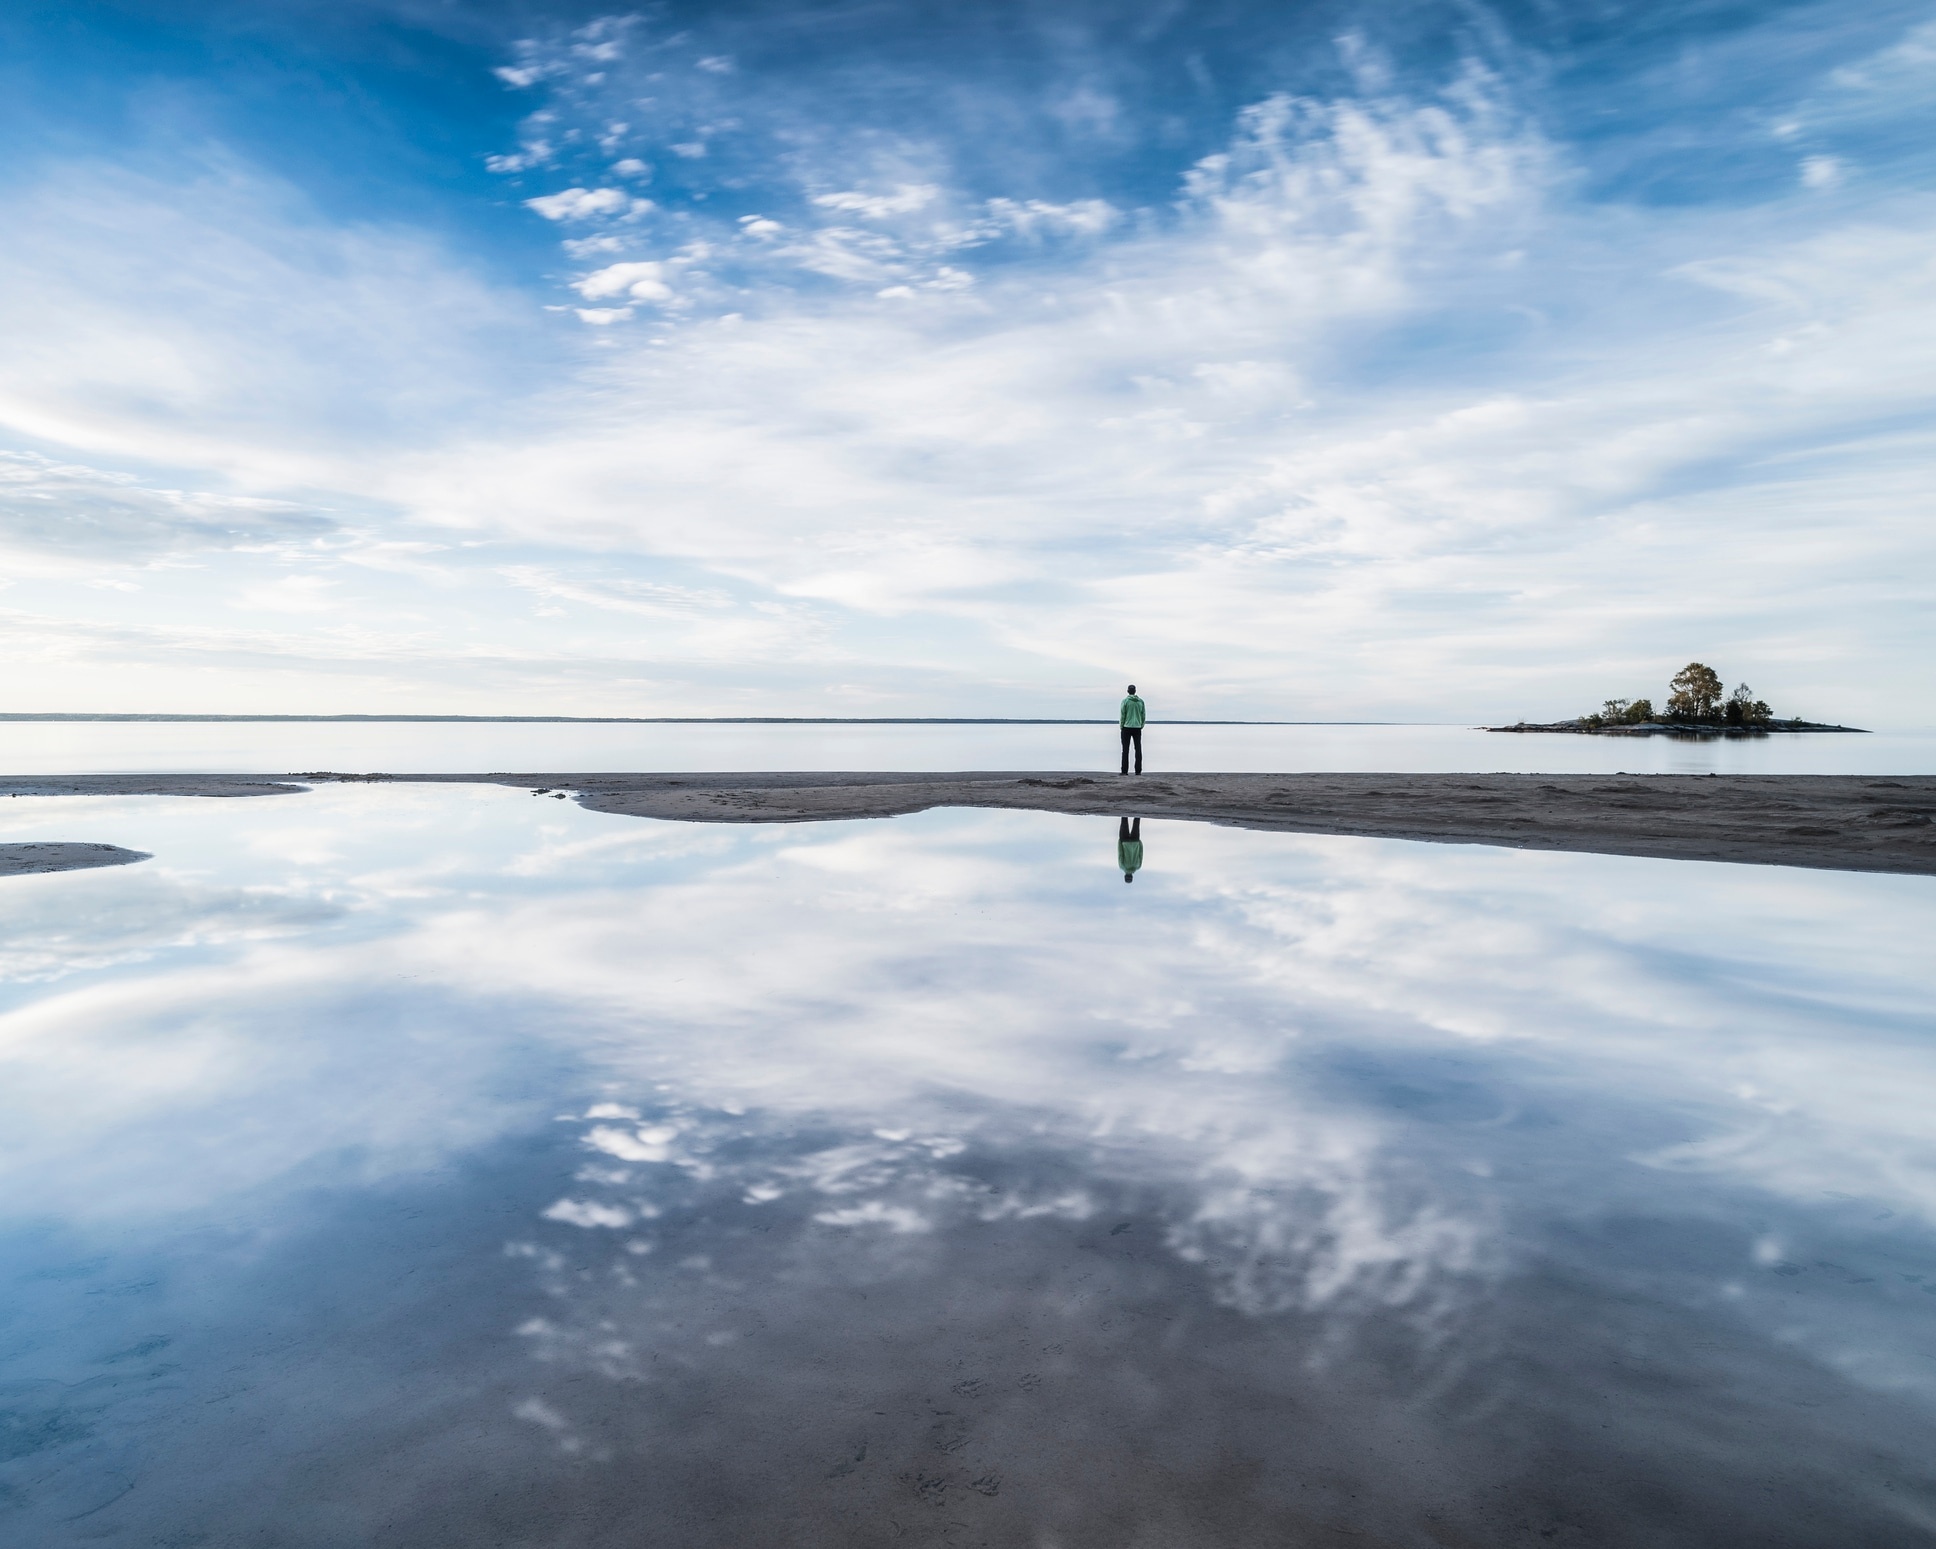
[77, 747]
[428, 1167]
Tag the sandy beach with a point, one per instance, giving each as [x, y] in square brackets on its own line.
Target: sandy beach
[1825, 822]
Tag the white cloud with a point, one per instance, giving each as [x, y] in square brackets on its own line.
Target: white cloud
[534, 153]
[581, 204]
[617, 594]
[1033, 217]
[1905, 68]
[54, 508]
[644, 281]
[1821, 171]
[905, 199]
[847, 253]
[577, 204]
[522, 76]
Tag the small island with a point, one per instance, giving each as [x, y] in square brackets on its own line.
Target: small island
[1695, 708]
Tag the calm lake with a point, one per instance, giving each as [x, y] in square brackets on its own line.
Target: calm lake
[411, 1166]
[78, 747]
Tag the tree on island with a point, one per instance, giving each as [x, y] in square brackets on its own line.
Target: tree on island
[1743, 709]
[1695, 704]
[1697, 693]
[1696, 696]
[1622, 712]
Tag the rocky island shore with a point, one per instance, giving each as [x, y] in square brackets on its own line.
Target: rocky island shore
[1605, 728]
[1695, 708]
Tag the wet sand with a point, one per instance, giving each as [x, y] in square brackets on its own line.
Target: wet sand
[1826, 822]
[18, 860]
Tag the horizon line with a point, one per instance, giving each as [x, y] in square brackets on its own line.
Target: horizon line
[669, 720]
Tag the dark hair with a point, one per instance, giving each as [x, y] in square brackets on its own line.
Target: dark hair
[1132, 688]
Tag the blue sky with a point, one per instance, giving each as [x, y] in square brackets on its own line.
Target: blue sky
[1416, 361]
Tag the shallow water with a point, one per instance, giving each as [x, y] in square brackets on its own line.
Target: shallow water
[31, 747]
[455, 1167]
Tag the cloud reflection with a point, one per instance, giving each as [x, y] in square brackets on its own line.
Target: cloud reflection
[920, 1173]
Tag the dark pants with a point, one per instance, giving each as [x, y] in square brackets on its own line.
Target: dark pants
[1133, 734]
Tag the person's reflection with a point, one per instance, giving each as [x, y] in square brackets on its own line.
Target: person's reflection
[1129, 848]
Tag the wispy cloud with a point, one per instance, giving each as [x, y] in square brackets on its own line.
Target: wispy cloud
[219, 322]
[64, 508]
[1374, 400]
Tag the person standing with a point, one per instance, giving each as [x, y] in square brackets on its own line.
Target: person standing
[1131, 718]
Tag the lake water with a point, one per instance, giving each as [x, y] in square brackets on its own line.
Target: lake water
[75, 747]
[451, 1166]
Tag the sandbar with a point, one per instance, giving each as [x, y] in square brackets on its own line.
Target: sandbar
[1826, 822]
[19, 860]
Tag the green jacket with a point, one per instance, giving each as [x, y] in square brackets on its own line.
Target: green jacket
[1132, 712]
[1129, 855]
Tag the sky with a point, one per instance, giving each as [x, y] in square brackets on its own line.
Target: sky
[1419, 361]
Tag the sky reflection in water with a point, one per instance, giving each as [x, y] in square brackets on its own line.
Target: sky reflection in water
[452, 1166]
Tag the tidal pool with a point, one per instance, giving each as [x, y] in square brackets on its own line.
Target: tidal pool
[450, 1166]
